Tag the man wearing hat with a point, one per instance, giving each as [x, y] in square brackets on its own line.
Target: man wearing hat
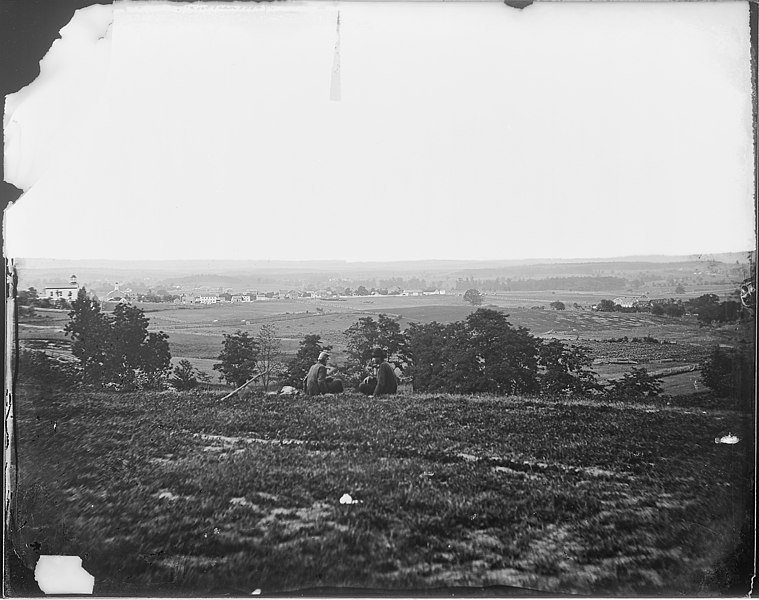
[385, 382]
[317, 382]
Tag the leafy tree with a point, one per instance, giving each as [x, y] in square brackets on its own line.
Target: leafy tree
[61, 304]
[92, 338]
[441, 357]
[238, 358]
[117, 348]
[184, 376]
[679, 289]
[367, 334]
[155, 358]
[556, 305]
[27, 297]
[362, 291]
[484, 353]
[635, 385]
[308, 352]
[268, 352]
[566, 369]
[130, 332]
[473, 296]
[674, 309]
[507, 356]
[729, 373]
[607, 306]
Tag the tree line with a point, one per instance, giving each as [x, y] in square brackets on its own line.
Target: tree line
[708, 309]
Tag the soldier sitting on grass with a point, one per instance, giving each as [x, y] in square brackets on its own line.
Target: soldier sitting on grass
[317, 382]
[385, 381]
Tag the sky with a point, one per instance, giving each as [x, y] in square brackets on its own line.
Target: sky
[432, 130]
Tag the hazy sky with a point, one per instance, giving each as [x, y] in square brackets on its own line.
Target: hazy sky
[462, 131]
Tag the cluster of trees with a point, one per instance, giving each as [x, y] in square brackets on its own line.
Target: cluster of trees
[243, 356]
[672, 308]
[116, 348]
[709, 309]
[730, 373]
[578, 284]
[157, 297]
[30, 298]
[485, 354]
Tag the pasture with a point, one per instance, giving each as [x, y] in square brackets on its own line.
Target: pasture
[181, 494]
[169, 493]
[196, 332]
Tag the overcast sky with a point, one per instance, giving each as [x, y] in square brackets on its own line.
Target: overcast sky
[442, 130]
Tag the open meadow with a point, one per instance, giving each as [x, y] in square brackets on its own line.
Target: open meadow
[184, 494]
[196, 332]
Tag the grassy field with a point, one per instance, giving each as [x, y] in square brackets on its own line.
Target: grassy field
[196, 332]
[169, 493]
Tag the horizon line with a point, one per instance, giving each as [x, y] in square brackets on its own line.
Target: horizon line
[690, 255]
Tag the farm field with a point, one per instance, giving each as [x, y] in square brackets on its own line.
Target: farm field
[196, 332]
[171, 493]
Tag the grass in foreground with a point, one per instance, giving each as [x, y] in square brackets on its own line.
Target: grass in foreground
[184, 494]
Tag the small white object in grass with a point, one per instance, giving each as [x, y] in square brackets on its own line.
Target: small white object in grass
[727, 439]
[346, 499]
[256, 592]
[167, 496]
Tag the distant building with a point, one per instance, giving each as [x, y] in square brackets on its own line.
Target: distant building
[627, 301]
[206, 299]
[412, 293]
[66, 291]
[240, 298]
[117, 294]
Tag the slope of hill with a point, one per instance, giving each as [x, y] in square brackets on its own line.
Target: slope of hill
[168, 493]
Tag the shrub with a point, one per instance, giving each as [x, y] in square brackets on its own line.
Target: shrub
[566, 369]
[238, 359]
[484, 353]
[308, 351]
[39, 367]
[635, 385]
[729, 373]
[184, 376]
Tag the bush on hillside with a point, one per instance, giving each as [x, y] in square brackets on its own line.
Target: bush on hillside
[39, 367]
[729, 373]
[636, 385]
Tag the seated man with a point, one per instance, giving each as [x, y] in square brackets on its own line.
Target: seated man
[317, 382]
[385, 381]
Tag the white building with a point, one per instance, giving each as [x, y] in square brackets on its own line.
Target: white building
[63, 291]
[117, 294]
[241, 298]
[627, 301]
[206, 299]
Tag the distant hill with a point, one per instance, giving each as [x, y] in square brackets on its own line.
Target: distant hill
[259, 274]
